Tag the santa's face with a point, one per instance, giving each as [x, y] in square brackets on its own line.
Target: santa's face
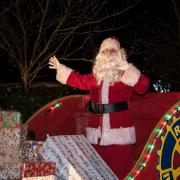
[109, 43]
[110, 61]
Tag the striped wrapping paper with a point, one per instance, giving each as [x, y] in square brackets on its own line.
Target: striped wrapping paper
[75, 158]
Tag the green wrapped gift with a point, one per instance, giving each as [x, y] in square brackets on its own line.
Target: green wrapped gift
[10, 119]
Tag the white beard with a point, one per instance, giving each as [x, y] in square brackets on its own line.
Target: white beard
[110, 67]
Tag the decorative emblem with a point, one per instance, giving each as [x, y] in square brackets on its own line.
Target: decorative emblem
[169, 153]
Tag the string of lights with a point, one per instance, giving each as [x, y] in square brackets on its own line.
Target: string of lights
[151, 143]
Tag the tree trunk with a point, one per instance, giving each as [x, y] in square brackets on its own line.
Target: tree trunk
[26, 80]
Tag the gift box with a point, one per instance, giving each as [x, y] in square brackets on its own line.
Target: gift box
[13, 137]
[32, 151]
[12, 132]
[51, 177]
[10, 155]
[12, 152]
[38, 170]
[10, 119]
[10, 137]
[10, 171]
[75, 158]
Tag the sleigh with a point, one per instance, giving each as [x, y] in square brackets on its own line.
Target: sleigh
[156, 118]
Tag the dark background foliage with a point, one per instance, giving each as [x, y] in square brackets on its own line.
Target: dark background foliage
[28, 102]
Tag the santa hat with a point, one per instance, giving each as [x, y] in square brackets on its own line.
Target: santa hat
[109, 43]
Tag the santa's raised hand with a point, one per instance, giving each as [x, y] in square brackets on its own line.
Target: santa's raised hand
[54, 63]
[62, 71]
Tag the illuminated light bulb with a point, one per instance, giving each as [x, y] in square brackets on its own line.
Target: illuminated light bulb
[130, 178]
[167, 116]
[50, 108]
[54, 106]
[150, 146]
[159, 131]
[57, 104]
[147, 156]
[163, 123]
[178, 108]
[137, 172]
[174, 111]
[143, 165]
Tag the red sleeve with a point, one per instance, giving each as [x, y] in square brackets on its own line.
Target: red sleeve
[81, 81]
[142, 85]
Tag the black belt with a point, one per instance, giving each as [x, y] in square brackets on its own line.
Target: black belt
[100, 109]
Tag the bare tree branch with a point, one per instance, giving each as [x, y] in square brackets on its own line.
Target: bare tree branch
[32, 31]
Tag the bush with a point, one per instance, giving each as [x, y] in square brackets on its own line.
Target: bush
[28, 102]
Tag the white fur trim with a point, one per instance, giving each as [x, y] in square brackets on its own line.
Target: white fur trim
[63, 73]
[110, 136]
[131, 76]
[105, 92]
[106, 122]
[105, 100]
[120, 136]
[93, 134]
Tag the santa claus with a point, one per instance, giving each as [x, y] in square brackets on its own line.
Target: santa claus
[111, 84]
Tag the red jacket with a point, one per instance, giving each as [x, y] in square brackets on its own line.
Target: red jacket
[115, 127]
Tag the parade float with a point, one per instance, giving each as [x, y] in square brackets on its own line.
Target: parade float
[56, 134]
[156, 118]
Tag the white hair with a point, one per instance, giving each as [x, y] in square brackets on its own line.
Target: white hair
[109, 65]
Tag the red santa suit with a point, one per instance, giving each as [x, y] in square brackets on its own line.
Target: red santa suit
[111, 134]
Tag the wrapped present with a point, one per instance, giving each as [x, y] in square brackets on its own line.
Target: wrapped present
[32, 151]
[13, 137]
[38, 171]
[10, 155]
[51, 177]
[10, 137]
[12, 132]
[10, 119]
[75, 158]
[10, 171]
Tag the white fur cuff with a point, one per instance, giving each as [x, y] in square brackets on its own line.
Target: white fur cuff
[63, 73]
[119, 136]
[93, 134]
[131, 76]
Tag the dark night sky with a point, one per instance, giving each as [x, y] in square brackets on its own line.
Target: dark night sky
[155, 9]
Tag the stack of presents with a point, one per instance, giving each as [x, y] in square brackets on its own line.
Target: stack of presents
[63, 157]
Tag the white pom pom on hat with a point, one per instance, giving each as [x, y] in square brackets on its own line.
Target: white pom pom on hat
[109, 43]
